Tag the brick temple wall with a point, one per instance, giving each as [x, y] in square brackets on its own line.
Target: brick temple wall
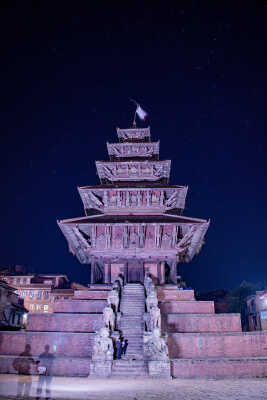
[203, 345]
[165, 294]
[68, 344]
[79, 306]
[62, 366]
[219, 368]
[91, 294]
[201, 323]
[64, 322]
[189, 306]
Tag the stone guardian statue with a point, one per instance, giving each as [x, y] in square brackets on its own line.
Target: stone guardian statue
[109, 318]
[114, 300]
[157, 346]
[103, 346]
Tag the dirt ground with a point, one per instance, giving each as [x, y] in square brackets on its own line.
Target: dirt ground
[142, 389]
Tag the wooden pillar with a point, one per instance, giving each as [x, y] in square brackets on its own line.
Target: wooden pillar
[125, 273]
[109, 272]
[173, 274]
[162, 264]
[92, 272]
[159, 272]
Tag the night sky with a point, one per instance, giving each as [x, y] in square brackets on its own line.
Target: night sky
[199, 70]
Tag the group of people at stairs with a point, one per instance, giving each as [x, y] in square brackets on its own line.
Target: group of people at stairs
[121, 345]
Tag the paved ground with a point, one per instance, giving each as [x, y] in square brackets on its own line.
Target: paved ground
[141, 389]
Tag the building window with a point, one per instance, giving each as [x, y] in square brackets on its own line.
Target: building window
[31, 294]
[39, 294]
[46, 295]
[23, 293]
[24, 280]
[45, 307]
[38, 307]
[31, 307]
[11, 280]
[17, 281]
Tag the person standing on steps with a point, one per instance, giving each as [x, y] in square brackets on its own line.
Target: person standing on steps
[124, 345]
[118, 347]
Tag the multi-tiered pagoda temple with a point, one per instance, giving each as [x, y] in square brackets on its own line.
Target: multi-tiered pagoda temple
[134, 223]
[134, 228]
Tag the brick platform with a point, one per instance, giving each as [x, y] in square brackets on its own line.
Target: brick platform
[79, 306]
[172, 293]
[65, 322]
[61, 366]
[201, 323]
[91, 294]
[189, 306]
[220, 368]
[67, 344]
[201, 345]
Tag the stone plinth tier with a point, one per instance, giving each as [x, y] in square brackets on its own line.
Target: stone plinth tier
[65, 322]
[91, 294]
[220, 368]
[201, 322]
[186, 307]
[167, 293]
[217, 344]
[79, 306]
[68, 344]
[180, 368]
[62, 366]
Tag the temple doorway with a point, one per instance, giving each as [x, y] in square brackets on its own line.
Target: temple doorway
[135, 272]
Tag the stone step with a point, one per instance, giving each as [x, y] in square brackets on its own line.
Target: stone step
[132, 300]
[137, 314]
[129, 367]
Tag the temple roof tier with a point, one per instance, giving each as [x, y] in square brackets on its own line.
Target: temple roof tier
[178, 237]
[126, 150]
[156, 199]
[133, 171]
[134, 134]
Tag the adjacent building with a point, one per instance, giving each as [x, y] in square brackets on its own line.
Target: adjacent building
[38, 291]
[257, 311]
[12, 312]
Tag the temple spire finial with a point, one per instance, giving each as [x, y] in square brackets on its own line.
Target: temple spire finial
[134, 121]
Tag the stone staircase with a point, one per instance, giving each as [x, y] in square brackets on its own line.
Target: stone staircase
[132, 328]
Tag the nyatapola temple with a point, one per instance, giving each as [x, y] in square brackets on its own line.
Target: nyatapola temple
[133, 238]
[134, 224]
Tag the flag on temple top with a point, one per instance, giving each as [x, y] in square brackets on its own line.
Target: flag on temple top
[141, 113]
